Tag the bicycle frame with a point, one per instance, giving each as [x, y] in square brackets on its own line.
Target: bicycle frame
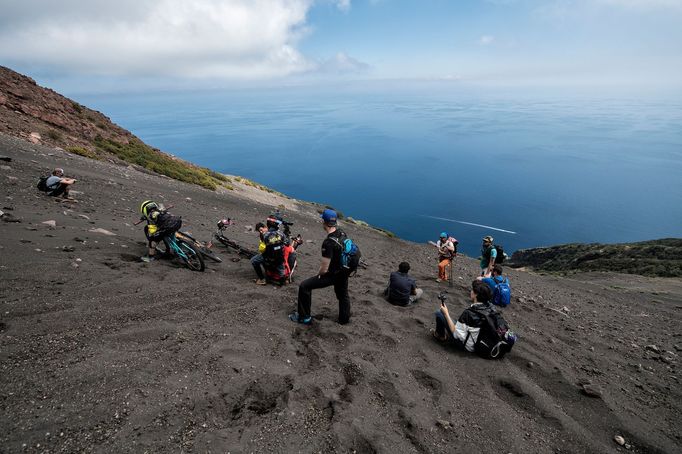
[173, 246]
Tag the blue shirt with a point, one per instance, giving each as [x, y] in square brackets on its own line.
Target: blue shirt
[492, 282]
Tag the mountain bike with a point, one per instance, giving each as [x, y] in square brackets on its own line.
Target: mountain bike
[180, 248]
[225, 241]
[203, 248]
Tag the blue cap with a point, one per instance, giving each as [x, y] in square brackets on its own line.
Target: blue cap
[329, 216]
[443, 234]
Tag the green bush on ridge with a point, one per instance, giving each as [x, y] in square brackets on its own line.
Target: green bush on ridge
[137, 152]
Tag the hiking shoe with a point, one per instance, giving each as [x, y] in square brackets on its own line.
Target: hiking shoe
[147, 258]
[294, 317]
[260, 282]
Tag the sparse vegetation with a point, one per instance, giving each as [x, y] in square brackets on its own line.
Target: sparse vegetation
[82, 151]
[54, 135]
[77, 107]
[648, 258]
[137, 152]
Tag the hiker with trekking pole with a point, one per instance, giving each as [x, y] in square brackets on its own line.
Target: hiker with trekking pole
[447, 251]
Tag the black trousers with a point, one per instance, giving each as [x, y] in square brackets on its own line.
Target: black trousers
[62, 189]
[338, 280]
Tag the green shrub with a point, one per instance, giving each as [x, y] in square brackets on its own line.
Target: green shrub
[77, 107]
[82, 151]
[54, 135]
[137, 152]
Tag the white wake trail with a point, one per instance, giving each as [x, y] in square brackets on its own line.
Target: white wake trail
[469, 223]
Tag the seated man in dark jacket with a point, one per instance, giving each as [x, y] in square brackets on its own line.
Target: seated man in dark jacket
[402, 289]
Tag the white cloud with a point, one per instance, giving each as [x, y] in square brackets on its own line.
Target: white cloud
[486, 40]
[342, 63]
[343, 5]
[198, 38]
[644, 4]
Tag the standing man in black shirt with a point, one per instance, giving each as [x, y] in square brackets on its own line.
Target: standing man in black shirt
[331, 273]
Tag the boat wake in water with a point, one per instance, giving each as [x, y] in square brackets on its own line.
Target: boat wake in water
[469, 223]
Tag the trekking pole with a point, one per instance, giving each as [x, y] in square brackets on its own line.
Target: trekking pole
[451, 266]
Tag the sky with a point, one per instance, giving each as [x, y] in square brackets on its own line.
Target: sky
[93, 45]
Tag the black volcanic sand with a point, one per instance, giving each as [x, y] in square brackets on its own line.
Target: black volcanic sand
[101, 352]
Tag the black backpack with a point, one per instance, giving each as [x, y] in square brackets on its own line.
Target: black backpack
[500, 254]
[168, 223]
[495, 338]
[274, 248]
[42, 184]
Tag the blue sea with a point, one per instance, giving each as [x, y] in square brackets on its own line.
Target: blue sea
[529, 168]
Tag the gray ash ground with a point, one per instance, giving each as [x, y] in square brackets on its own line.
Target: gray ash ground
[100, 352]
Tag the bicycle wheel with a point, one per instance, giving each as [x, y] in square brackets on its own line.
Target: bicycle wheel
[194, 261]
[206, 252]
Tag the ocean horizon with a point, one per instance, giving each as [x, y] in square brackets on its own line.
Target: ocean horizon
[531, 169]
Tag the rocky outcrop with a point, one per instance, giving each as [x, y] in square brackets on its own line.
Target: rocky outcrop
[27, 108]
[648, 258]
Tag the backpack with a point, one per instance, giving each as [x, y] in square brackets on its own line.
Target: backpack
[484, 331]
[499, 258]
[350, 254]
[42, 184]
[454, 243]
[500, 254]
[167, 223]
[501, 293]
[274, 249]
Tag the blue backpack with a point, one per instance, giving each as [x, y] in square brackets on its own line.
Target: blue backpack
[350, 254]
[502, 293]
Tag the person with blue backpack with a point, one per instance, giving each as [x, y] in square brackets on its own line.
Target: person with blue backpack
[340, 258]
[499, 286]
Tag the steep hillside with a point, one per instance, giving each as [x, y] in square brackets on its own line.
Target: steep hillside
[43, 116]
[649, 258]
[102, 353]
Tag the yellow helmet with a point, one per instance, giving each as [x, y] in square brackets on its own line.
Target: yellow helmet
[147, 207]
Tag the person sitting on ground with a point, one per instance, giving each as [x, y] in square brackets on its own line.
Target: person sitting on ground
[456, 333]
[58, 185]
[160, 224]
[488, 256]
[273, 255]
[499, 286]
[402, 289]
[494, 279]
[257, 261]
[446, 252]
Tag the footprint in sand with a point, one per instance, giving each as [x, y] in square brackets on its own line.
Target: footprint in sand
[431, 383]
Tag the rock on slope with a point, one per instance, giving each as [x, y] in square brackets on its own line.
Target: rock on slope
[100, 352]
[649, 258]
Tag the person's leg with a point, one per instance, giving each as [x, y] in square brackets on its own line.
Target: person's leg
[305, 289]
[414, 298]
[59, 190]
[257, 263]
[441, 270]
[341, 290]
[442, 332]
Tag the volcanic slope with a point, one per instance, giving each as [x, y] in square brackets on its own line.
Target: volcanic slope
[100, 352]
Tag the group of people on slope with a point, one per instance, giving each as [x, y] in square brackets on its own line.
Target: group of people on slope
[276, 258]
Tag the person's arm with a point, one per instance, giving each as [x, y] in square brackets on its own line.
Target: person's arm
[324, 266]
[449, 246]
[444, 311]
[67, 181]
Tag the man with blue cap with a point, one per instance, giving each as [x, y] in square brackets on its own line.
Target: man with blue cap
[330, 273]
